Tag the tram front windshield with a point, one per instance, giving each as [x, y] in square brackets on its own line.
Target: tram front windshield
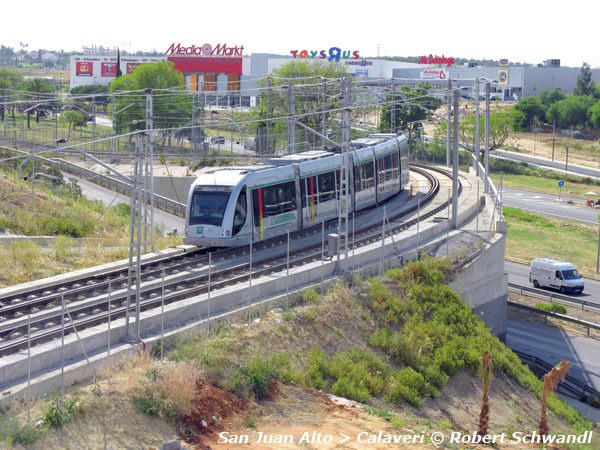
[208, 204]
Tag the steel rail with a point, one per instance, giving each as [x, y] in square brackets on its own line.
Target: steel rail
[195, 290]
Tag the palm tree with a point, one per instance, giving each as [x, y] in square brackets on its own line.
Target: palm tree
[38, 89]
[486, 379]
[551, 380]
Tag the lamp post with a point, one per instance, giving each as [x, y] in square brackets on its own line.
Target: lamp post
[598, 253]
[553, 136]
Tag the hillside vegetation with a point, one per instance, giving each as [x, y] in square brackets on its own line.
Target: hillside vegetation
[61, 211]
[406, 346]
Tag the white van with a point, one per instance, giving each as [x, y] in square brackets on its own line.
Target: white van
[553, 273]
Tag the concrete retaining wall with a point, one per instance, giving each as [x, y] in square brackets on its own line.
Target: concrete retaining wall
[483, 284]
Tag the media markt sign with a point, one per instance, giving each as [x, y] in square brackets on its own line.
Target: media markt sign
[435, 74]
[205, 50]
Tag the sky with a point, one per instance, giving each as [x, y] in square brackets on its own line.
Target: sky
[519, 30]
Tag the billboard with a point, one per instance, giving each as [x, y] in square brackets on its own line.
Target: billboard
[84, 69]
[131, 67]
[503, 76]
[434, 74]
[207, 65]
[108, 69]
[362, 73]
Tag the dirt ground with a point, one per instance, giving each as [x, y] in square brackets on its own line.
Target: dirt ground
[296, 412]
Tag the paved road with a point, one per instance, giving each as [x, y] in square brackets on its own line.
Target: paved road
[552, 344]
[519, 274]
[549, 205]
[93, 191]
[558, 166]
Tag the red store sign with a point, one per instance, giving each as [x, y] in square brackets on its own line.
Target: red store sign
[207, 65]
[438, 60]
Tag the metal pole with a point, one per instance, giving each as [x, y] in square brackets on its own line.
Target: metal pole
[269, 112]
[32, 186]
[62, 356]
[109, 301]
[598, 254]
[194, 129]
[114, 125]
[208, 305]
[448, 228]
[449, 124]
[487, 135]
[322, 252]
[287, 275]
[353, 248]
[478, 205]
[418, 223]
[250, 278]
[382, 244]
[455, 163]
[291, 120]
[477, 137]
[29, 368]
[324, 112]
[150, 154]
[393, 110]
[162, 316]
[566, 160]
[94, 122]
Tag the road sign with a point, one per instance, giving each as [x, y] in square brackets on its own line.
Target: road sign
[561, 183]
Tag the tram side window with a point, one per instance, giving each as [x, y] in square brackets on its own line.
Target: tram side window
[239, 217]
[357, 178]
[277, 199]
[367, 174]
[326, 183]
[303, 191]
[387, 165]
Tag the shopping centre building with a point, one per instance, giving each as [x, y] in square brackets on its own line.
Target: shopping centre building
[228, 76]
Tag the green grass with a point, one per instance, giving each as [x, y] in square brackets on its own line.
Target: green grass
[532, 235]
[522, 176]
[547, 185]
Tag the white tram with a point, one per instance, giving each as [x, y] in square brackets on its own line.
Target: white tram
[234, 205]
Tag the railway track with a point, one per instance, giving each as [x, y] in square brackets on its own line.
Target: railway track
[184, 276]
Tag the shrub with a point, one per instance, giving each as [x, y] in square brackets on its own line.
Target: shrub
[255, 377]
[12, 432]
[359, 374]
[54, 418]
[554, 307]
[345, 387]
[406, 385]
[153, 404]
[317, 368]
[309, 295]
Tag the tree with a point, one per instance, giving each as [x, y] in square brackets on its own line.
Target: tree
[170, 109]
[486, 380]
[73, 118]
[551, 380]
[501, 122]
[570, 112]
[38, 89]
[585, 85]
[551, 96]
[307, 98]
[9, 79]
[410, 107]
[594, 113]
[532, 108]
